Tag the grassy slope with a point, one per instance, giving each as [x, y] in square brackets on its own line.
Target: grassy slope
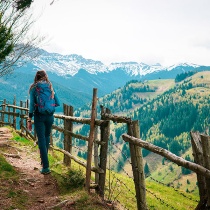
[163, 173]
[170, 173]
[118, 187]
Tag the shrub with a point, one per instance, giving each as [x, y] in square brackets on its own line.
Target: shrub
[74, 179]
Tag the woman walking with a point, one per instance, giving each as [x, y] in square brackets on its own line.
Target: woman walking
[43, 101]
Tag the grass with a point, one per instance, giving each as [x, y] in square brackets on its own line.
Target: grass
[6, 170]
[119, 187]
[9, 178]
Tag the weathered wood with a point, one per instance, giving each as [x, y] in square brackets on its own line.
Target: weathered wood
[28, 133]
[206, 157]
[198, 158]
[91, 139]
[117, 119]
[3, 109]
[170, 156]
[137, 167]
[77, 160]
[9, 116]
[80, 119]
[65, 141]
[5, 123]
[68, 111]
[14, 117]
[96, 155]
[17, 107]
[10, 113]
[105, 133]
[21, 119]
[22, 134]
[78, 136]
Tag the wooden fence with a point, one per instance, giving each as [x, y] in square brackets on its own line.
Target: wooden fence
[200, 143]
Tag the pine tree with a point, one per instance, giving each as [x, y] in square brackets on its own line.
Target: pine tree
[146, 169]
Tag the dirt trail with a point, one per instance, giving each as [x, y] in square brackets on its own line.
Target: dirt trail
[41, 190]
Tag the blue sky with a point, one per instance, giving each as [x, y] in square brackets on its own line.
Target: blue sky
[150, 31]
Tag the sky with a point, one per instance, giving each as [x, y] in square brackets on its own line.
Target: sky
[149, 31]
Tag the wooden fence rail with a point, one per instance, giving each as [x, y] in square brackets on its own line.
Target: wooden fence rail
[21, 113]
[201, 149]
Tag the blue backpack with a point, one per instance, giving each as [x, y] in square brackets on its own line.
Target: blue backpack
[44, 101]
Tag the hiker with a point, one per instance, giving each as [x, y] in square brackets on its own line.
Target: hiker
[43, 101]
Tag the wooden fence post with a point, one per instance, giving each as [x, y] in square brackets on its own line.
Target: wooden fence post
[206, 157]
[137, 166]
[21, 117]
[3, 109]
[198, 158]
[91, 139]
[105, 133]
[9, 117]
[14, 117]
[96, 160]
[68, 126]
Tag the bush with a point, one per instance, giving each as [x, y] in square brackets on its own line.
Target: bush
[74, 179]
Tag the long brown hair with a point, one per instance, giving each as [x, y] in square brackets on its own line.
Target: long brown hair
[41, 75]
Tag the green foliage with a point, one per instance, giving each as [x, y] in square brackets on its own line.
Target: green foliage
[21, 140]
[74, 179]
[146, 169]
[186, 171]
[184, 75]
[6, 40]
[23, 4]
[6, 170]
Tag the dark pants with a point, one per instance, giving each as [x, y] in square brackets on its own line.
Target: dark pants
[43, 125]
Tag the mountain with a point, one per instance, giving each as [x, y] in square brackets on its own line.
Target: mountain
[69, 65]
[76, 76]
[82, 75]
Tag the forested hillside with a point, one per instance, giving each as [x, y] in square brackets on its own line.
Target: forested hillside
[167, 112]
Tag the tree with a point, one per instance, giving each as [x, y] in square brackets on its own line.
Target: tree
[16, 39]
[146, 169]
[23, 4]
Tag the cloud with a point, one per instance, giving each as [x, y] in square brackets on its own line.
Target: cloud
[125, 30]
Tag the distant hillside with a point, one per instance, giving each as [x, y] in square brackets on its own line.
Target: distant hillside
[167, 112]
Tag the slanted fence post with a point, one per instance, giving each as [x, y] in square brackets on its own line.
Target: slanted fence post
[68, 111]
[199, 159]
[137, 166]
[91, 139]
[206, 157]
[105, 133]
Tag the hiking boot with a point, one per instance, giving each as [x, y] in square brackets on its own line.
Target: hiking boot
[45, 171]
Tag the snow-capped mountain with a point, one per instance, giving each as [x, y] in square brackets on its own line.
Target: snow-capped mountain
[82, 75]
[69, 65]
